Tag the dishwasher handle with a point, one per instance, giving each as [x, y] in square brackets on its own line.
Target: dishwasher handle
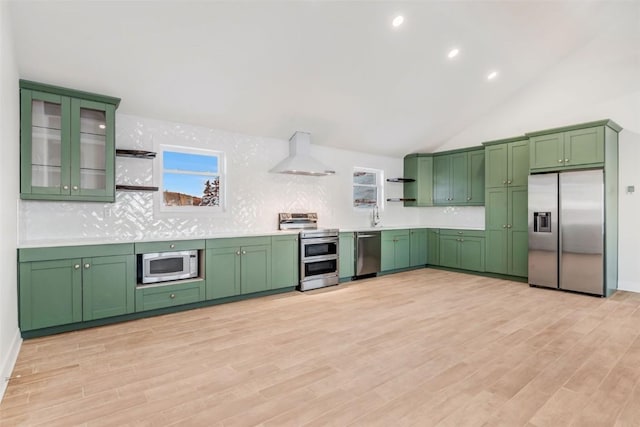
[365, 235]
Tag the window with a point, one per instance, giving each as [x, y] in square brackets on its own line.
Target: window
[192, 179]
[367, 188]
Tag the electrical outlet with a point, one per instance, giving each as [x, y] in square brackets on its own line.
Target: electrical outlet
[631, 189]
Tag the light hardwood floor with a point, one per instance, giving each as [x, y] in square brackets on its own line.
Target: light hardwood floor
[422, 348]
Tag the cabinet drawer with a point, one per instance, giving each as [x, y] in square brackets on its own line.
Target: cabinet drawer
[236, 242]
[169, 245]
[170, 295]
[466, 233]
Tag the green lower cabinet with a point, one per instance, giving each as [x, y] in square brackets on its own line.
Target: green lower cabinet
[154, 297]
[284, 261]
[223, 272]
[64, 291]
[433, 246]
[108, 286]
[238, 266]
[472, 254]
[395, 250]
[255, 269]
[463, 249]
[418, 250]
[449, 251]
[346, 250]
[50, 293]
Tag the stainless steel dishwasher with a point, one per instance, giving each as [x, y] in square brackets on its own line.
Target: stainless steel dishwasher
[367, 253]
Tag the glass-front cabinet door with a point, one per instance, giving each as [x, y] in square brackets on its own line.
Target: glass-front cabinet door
[46, 158]
[67, 144]
[93, 151]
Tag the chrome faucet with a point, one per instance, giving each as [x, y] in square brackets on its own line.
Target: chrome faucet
[375, 216]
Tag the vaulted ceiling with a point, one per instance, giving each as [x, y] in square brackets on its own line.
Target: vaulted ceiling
[339, 70]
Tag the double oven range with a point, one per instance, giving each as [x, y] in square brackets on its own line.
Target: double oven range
[318, 250]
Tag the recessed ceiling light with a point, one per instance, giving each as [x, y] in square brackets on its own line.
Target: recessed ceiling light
[397, 21]
[492, 75]
[453, 53]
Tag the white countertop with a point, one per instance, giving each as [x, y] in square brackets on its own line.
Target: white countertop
[79, 241]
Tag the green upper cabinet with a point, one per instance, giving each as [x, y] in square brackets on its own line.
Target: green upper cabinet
[506, 206]
[570, 147]
[395, 249]
[507, 162]
[284, 261]
[458, 178]
[346, 249]
[418, 167]
[418, 251]
[67, 144]
[475, 177]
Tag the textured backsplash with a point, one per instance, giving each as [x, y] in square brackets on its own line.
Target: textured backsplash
[254, 196]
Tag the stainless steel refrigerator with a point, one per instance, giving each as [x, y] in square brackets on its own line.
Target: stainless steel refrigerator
[566, 231]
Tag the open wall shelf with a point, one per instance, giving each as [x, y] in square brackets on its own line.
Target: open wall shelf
[137, 154]
[401, 180]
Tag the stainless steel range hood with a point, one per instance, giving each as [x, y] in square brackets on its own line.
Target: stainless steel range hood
[300, 161]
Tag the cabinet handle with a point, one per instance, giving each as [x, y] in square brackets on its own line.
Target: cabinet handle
[172, 246]
[504, 225]
[504, 182]
[87, 265]
[462, 240]
[65, 187]
[459, 232]
[508, 225]
[509, 181]
[559, 160]
[74, 188]
[237, 252]
[244, 252]
[172, 296]
[76, 266]
[468, 198]
[566, 160]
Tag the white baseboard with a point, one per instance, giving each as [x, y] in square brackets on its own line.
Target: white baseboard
[627, 285]
[11, 356]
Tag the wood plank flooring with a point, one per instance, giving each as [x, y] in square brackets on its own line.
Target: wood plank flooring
[420, 348]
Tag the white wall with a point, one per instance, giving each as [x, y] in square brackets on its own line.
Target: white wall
[255, 196]
[9, 163]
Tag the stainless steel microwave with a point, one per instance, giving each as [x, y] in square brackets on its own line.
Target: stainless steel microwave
[167, 266]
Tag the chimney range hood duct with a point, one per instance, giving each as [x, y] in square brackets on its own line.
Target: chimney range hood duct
[300, 161]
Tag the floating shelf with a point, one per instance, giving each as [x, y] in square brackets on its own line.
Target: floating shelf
[138, 154]
[121, 187]
[401, 180]
[401, 200]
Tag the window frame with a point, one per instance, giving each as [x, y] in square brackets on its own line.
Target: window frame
[159, 178]
[379, 186]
